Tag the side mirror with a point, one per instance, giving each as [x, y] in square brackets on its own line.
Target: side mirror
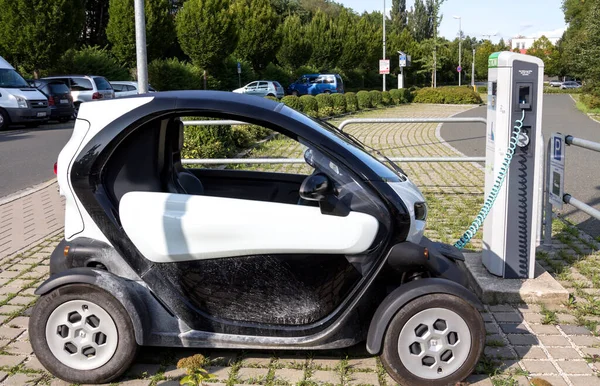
[315, 187]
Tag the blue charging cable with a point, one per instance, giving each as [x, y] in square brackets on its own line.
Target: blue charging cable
[489, 202]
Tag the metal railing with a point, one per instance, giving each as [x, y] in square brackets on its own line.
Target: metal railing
[347, 122]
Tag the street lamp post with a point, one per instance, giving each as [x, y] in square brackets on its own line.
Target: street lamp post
[140, 47]
[473, 71]
[383, 41]
[459, 47]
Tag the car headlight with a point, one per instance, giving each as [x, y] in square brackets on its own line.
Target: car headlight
[21, 102]
[420, 211]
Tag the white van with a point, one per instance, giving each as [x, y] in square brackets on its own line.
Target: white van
[19, 102]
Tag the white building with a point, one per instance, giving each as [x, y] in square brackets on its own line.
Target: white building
[523, 44]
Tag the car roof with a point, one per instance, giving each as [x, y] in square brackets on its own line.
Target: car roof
[72, 76]
[122, 82]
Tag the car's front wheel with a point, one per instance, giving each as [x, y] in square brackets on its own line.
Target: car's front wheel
[434, 340]
[82, 334]
[4, 120]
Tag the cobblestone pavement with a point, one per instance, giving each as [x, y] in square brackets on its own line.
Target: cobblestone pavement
[559, 344]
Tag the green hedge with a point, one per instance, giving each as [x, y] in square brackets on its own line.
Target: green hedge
[90, 60]
[364, 100]
[447, 95]
[219, 141]
[339, 104]
[325, 105]
[376, 98]
[557, 90]
[590, 101]
[171, 74]
[351, 102]
[293, 102]
[482, 89]
[405, 96]
[386, 98]
[395, 96]
[272, 98]
[310, 106]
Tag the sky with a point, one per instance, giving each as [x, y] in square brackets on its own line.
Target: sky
[506, 18]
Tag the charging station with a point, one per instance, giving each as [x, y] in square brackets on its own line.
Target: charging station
[515, 86]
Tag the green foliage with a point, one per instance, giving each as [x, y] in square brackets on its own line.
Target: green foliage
[120, 31]
[310, 106]
[194, 370]
[395, 96]
[90, 60]
[325, 105]
[376, 98]
[258, 36]
[447, 95]
[272, 98]
[545, 50]
[206, 30]
[171, 74]
[219, 141]
[351, 102]
[557, 90]
[293, 102]
[339, 104]
[386, 98]
[364, 100]
[590, 101]
[274, 72]
[405, 96]
[295, 49]
[482, 89]
[326, 40]
[35, 33]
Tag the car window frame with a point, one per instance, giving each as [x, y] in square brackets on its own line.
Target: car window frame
[74, 83]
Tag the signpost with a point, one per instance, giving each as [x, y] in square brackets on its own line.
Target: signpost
[239, 69]
[404, 61]
[459, 69]
[556, 174]
[384, 66]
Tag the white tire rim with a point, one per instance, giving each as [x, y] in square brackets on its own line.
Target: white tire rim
[434, 343]
[1, 120]
[81, 335]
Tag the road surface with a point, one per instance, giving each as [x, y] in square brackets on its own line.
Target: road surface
[582, 178]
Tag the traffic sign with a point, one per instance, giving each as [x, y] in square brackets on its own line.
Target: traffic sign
[239, 67]
[459, 69]
[403, 60]
[556, 182]
[384, 66]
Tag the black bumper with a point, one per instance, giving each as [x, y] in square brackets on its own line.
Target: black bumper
[26, 115]
[61, 112]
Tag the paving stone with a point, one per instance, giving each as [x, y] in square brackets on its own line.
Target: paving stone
[176, 383]
[554, 340]
[293, 361]
[546, 329]
[17, 284]
[362, 379]
[575, 367]
[513, 328]
[172, 371]
[363, 363]
[540, 367]
[321, 376]
[19, 347]
[526, 308]
[533, 317]
[10, 333]
[221, 373]
[21, 379]
[499, 352]
[591, 351]
[491, 328]
[223, 358]
[11, 360]
[509, 366]
[567, 319]
[325, 363]
[9, 274]
[574, 330]
[487, 317]
[563, 353]
[28, 291]
[136, 382]
[530, 352]
[502, 308]
[585, 340]
[522, 339]
[21, 300]
[20, 321]
[389, 381]
[479, 380]
[142, 369]
[507, 317]
[553, 380]
[3, 375]
[585, 381]
[34, 364]
[252, 375]
[6, 310]
[289, 375]
[257, 360]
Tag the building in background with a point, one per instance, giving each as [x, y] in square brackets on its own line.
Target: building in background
[523, 44]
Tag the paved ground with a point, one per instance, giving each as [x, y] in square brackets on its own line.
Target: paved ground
[28, 155]
[560, 344]
[560, 114]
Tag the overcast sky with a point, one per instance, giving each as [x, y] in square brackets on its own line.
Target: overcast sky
[507, 18]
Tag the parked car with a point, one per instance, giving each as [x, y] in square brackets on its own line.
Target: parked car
[313, 84]
[262, 88]
[59, 97]
[157, 254]
[19, 102]
[555, 83]
[569, 84]
[85, 88]
[126, 88]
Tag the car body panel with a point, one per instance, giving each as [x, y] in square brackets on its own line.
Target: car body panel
[84, 88]
[314, 84]
[262, 88]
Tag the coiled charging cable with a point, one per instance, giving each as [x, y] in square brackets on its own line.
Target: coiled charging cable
[489, 202]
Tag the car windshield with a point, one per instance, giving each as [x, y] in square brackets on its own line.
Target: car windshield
[9, 78]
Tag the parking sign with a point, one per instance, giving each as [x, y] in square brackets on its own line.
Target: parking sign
[556, 178]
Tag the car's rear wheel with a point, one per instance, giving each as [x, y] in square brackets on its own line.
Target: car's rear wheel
[82, 334]
[434, 340]
[4, 120]
[295, 93]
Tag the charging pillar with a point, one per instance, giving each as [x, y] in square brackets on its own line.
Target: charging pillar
[515, 84]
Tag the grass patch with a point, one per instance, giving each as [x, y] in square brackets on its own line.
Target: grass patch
[549, 316]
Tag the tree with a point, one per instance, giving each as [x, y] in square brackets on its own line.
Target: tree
[96, 19]
[207, 31]
[418, 21]
[545, 50]
[353, 44]
[482, 54]
[295, 48]
[399, 15]
[120, 31]
[502, 46]
[258, 37]
[325, 40]
[35, 33]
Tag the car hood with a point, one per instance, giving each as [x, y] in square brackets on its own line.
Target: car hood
[25, 92]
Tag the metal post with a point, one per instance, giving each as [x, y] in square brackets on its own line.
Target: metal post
[435, 51]
[459, 47]
[547, 205]
[473, 71]
[140, 47]
[401, 78]
[383, 41]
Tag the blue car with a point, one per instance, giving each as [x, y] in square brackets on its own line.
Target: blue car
[313, 84]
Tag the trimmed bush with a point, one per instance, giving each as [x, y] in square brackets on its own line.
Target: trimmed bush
[376, 98]
[351, 102]
[219, 141]
[325, 103]
[558, 90]
[447, 95]
[395, 96]
[364, 100]
[90, 60]
[339, 104]
[386, 98]
[171, 74]
[272, 98]
[482, 89]
[590, 101]
[405, 96]
[310, 106]
[293, 102]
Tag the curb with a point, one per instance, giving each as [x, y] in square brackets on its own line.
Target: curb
[26, 192]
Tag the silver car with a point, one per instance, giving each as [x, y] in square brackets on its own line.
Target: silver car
[125, 88]
[262, 88]
[570, 84]
[85, 88]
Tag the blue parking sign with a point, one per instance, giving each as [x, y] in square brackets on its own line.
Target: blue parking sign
[557, 148]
